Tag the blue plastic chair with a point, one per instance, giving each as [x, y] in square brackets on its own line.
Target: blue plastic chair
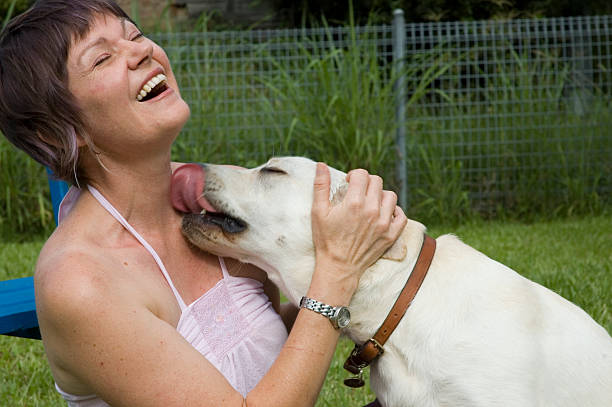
[17, 306]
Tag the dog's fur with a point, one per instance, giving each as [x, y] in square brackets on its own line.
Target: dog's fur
[477, 334]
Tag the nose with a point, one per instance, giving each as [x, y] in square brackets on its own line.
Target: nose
[140, 52]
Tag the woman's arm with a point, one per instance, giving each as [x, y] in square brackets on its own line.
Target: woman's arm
[288, 313]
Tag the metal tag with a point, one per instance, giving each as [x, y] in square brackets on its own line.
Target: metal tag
[355, 381]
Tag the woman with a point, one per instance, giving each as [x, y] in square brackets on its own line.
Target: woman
[130, 314]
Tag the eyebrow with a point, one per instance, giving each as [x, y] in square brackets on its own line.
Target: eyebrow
[97, 42]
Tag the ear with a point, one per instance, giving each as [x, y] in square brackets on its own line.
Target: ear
[81, 142]
[399, 249]
[336, 195]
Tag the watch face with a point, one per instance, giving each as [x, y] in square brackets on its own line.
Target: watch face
[344, 317]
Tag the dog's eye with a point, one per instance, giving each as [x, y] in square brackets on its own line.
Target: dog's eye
[273, 170]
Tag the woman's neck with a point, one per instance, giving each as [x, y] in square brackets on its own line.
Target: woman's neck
[139, 190]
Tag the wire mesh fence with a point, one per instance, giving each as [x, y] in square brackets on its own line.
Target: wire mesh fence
[524, 111]
[234, 82]
[513, 114]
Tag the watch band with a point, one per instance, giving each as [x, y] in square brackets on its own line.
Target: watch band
[340, 317]
[318, 307]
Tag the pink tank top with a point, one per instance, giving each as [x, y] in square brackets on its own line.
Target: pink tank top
[233, 324]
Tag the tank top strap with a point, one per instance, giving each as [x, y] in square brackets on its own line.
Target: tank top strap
[115, 214]
[223, 267]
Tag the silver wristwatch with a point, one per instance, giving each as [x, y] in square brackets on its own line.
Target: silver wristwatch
[339, 316]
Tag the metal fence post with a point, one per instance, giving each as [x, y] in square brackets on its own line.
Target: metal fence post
[399, 55]
[582, 65]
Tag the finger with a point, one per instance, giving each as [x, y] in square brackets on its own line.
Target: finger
[388, 205]
[398, 223]
[321, 186]
[375, 190]
[358, 181]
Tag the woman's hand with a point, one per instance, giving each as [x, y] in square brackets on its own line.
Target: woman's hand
[351, 235]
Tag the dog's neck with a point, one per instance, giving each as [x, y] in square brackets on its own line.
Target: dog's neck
[292, 274]
[368, 307]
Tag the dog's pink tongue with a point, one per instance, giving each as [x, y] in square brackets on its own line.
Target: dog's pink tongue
[186, 189]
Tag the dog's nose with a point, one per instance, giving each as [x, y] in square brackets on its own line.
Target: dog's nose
[186, 189]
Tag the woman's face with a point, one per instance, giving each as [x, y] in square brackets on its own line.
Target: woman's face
[113, 73]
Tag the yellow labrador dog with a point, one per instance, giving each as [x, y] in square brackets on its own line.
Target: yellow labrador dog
[477, 333]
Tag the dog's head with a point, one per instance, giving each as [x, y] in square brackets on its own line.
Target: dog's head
[259, 215]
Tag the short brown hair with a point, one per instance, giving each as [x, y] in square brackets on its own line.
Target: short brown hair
[38, 114]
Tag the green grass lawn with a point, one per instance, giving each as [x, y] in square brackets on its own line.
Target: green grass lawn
[572, 257]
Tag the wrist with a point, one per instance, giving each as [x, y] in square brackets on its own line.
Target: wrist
[339, 317]
[333, 284]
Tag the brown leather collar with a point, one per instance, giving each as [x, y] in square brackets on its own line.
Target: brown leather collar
[363, 355]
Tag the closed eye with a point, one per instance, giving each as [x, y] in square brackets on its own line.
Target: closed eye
[100, 60]
[273, 170]
[138, 36]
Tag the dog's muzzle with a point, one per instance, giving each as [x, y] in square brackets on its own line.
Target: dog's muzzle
[227, 223]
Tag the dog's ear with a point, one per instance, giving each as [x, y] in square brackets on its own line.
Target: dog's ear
[336, 195]
[399, 249]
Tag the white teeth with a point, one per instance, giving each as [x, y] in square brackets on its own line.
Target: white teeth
[203, 212]
[148, 87]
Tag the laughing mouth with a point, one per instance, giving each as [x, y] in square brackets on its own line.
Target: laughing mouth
[154, 87]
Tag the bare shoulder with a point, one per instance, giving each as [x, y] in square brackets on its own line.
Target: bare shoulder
[65, 274]
[78, 265]
[73, 286]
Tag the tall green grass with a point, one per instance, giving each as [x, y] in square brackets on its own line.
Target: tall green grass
[512, 145]
[25, 205]
[342, 102]
[508, 145]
